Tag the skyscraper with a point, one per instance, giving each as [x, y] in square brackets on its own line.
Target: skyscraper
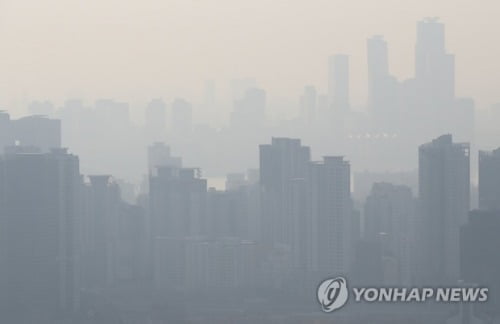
[434, 67]
[338, 82]
[177, 207]
[381, 86]
[182, 115]
[308, 105]
[211, 110]
[39, 241]
[281, 163]
[444, 201]
[489, 180]
[100, 229]
[329, 194]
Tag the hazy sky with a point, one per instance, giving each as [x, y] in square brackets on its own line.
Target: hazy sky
[138, 49]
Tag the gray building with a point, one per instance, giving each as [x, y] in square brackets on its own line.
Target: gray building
[282, 163]
[37, 131]
[39, 240]
[159, 155]
[434, 67]
[383, 89]
[480, 261]
[489, 180]
[100, 229]
[444, 201]
[308, 105]
[330, 209]
[338, 82]
[177, 202]
[181, 118]
[389, 220]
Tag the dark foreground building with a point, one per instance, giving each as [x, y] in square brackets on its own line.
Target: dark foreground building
[38, 236]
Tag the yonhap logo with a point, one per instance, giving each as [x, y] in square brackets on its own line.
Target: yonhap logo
[333, 294]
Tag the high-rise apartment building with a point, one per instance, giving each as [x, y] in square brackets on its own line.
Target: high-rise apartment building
[444, 201]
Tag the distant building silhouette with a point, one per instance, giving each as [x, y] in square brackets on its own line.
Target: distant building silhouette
[434, 67]
[159, 156]
[338, 83]
[109, 109]
[308, 105]
[382, 87]
[210, 107]
[378, 71]
[156, 118]
[240, 86]
[250, 110]
[182, 117]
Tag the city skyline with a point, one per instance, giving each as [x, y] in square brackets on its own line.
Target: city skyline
[104, 219]
[137, 87]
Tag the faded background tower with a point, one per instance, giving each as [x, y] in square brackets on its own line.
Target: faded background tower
[434, 67]
[338, 83]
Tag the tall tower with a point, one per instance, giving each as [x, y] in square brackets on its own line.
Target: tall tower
[378, 72]
[434, 67]
[282, 163]
[331, 213]
[338, 82]
[182, 115]
[100, 232]
[308, 105]
[444, 194]
[39, 234]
